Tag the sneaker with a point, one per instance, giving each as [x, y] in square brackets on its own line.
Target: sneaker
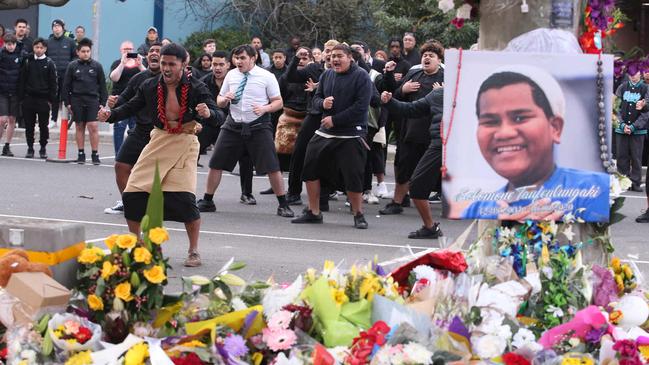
[388, 195]
[435, 199]
[193, 260]
[381, 190]
[42, 153]
[293, 199]
[268, 191]
[206, 206]
[359, 221]
[248, 199]
[406, 201]
[81, 158]
[6, 151]
[285, 212]
[643, 218]
[324, 206]
[370, 198]
[52, 124]
[307, 216]
[333, 196]
[117, 209]
[30, 153]
[95, 159]
[425, 232]
[636, 188]
[391, 208]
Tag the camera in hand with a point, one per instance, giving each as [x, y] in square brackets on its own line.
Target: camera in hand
[131, 55]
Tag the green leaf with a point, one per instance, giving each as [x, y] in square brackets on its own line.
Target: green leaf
[237, 265]
[141, 289]
[47, 346]
[232, 280]
[188, 285]
[155, 205]
[101, 286]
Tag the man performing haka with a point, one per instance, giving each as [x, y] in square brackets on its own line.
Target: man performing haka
[174, 102]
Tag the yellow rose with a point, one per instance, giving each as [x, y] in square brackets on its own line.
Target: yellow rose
[108, 269]
[141, 254]
[123, 291]
[126, 241]
[158, 235]
[111, 241]
[90, 255]
[95, 302]
[155, 274]
[137, 354]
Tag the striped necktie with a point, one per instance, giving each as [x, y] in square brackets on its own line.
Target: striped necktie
[239, 92]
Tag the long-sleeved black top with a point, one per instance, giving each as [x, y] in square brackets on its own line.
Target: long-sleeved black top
[84, 78]
[142, 118]
[38, 78]
[9, 71]
[414, 129]
[430, 106]
[62, 51]
[146, 99]
[311, 71]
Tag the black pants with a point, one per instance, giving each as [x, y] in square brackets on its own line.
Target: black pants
[310, 124]
[375, 161]
[427, 176]
[36, 108]
[55, 108]
[629, 156]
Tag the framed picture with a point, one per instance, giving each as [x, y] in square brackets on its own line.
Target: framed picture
[524, 140]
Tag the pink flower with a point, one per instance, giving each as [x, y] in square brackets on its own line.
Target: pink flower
[280, 320]
[279, 339]
[71, 327]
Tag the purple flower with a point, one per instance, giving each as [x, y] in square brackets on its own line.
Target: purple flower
[235, 345]
[595, 335]
[604, 287]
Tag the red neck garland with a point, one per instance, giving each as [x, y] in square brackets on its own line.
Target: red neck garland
[444, 169]
[162, 112]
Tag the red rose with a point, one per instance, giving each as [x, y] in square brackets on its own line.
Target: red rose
[189, 358]
[511, 358]
[83, 335]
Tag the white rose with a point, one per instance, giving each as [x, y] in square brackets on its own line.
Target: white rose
[418, 354]
[463, 12]
[523, 337]
[488, 346]
[446, 5]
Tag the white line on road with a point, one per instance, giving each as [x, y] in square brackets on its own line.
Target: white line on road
[279, 238]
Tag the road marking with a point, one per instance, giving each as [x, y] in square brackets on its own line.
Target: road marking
[279, 238]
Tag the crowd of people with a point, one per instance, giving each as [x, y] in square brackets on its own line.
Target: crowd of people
[322, 114]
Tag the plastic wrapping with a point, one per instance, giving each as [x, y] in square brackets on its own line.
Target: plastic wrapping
[544, 40]
[60, 319]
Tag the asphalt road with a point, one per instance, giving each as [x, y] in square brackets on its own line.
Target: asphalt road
[270, 245]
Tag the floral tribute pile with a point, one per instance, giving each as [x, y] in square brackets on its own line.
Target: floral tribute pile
[521, 295]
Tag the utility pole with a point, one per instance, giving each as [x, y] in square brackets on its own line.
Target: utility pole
[96, 13]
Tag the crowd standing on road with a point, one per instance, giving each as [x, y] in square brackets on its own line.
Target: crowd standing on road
[322, 114]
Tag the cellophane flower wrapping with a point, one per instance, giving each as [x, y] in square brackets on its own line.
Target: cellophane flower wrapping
[60, 319]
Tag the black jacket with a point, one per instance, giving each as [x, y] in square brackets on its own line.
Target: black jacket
[312, 71]
[352, 91]
[143, 49]
[214, 89]
[25, 46]
[62, 51]
[38, 79]
[414, 129]
[9, 71]
[142, 117]
[413, 58]
[378, 65]
[84, 78]
[430, 106]
[146, 99]
[293, 94]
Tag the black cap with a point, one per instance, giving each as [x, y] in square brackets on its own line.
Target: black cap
[58, 22]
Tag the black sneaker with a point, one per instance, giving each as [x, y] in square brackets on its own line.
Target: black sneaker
[643, 218]
[248, 199]
[425, 232]
[285, 212]
[434, 199]
[268, 191]
[391, 208]
[206, 206]
[81, 158]
[308, 217]
[30, 153]
[42, 153]
[324, 206]
[293, 199]
[95, 159]
[6, 151]
[406, 201]
[359, 221]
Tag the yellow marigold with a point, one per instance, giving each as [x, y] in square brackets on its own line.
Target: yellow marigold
[158, 235]
[143, 255]
[123, 291]
[82, 358]
[95, 303]
[193, 343]
[111, 241]
[137, 354]
[155, 274]
[126, 241]
[108, 269]
[90, 255]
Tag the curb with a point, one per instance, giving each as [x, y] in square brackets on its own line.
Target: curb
[104, 136]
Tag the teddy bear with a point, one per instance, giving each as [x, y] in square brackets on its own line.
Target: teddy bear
[17, 261]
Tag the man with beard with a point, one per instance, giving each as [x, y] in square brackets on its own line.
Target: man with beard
[252, 93]
[174, 103]
[414, 131]
[209, 134]
[135, 141]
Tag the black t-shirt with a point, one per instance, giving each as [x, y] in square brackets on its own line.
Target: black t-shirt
[416, 129]
[127, 73]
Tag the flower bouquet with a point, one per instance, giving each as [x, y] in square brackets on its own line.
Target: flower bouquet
[71, 333]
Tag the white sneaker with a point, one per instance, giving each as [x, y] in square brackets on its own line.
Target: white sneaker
[117, 209]
[370, 198]
[52, 124]
[381, 190]
[388, 195]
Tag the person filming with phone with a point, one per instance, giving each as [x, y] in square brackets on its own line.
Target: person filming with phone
[121, 71]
